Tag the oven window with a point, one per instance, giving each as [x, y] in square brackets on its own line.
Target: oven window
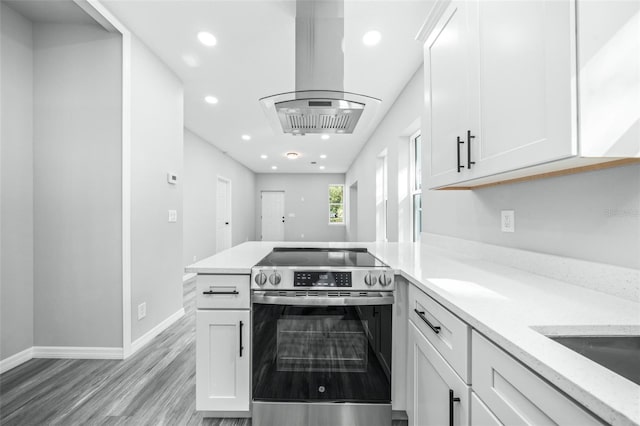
[321, 353]
[321, 343]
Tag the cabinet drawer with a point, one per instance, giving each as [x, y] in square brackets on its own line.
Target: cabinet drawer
[515, 394]
[480, 414]
[223, 292]
[446, 332]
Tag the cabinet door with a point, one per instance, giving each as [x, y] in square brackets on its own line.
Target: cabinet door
[450, 95]
[222, 368]
[430, 382]
[527, 80]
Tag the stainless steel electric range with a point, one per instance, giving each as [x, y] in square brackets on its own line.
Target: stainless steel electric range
[322, 321]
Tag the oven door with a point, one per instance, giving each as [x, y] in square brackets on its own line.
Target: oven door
[321, 348]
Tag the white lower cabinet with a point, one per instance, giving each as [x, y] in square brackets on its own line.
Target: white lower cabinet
[436, 395]
[515, 395]
[223, 352]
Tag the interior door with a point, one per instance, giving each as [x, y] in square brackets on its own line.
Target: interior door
[272, 215]
[223, 215]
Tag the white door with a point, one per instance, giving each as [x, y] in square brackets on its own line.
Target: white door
[222, 360]
[272, 215]
[223, 215]
[436, 395]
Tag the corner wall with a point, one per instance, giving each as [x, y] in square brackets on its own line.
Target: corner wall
[203, 163]
[77, 186]
[16, 220]
[156, 148]
[307, 198]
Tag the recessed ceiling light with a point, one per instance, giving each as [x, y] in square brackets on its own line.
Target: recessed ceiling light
[371, 38]
[264, 156]
[207, 38]
[211, 100]
[292, 155]
[246, 137]
[274, 167]
[323, 155]
[325, 137]
[321, 167]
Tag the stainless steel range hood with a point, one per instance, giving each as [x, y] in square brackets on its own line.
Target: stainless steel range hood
[319, 104]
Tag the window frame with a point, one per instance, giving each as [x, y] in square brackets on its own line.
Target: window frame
[415, 140]
[329, 204]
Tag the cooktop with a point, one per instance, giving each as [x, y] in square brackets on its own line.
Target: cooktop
[352, 257]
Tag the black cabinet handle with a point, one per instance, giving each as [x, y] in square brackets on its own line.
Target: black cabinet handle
[469, 137]
[452, 399]
[211, 292]
[458, 143]
[435, 328]
[226, 223]
[242, 347]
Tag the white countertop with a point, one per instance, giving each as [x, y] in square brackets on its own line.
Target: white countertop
[508, 306]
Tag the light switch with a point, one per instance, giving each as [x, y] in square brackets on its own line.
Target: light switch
[173, 215]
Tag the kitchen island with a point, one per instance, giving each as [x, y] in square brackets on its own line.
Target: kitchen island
[514, 309]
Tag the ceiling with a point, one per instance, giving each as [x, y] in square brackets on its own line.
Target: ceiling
[255, 57]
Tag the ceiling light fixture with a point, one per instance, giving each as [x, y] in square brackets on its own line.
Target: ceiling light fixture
[292, 155]
[371, 38]
[274, 167]
[325, 137]
[211, 100]
[246, 137]
[323, 156]
[264, 156]
[207, 38]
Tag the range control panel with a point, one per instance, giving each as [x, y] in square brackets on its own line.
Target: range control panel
[322, 279]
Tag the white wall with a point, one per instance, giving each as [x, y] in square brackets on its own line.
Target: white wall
[203, 163]
[16, 227]
[307, 197]
[156, 148]
[591, 216]
[77, 186]
[392, 134]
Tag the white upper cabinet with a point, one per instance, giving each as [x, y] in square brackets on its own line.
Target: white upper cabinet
[506, 80]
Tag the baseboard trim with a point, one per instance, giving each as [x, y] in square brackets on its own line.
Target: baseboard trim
[15, 360]
[76, 352]
[149, 335]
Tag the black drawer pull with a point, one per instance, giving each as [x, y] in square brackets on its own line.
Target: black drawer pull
[220, 292]
[435, 328]
[458, 143]
[469, 137]
[241, 347]
[451, 401]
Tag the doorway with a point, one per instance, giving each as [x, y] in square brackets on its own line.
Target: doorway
[272, 217]
[223, 215]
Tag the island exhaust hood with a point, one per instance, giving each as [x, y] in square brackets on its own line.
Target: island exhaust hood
[319, 104]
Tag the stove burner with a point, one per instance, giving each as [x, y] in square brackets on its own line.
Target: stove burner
[291, 257]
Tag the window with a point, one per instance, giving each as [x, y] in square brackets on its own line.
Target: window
[336, 204]
[416, 186]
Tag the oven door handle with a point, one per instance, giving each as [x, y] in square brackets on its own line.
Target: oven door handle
[371, 300]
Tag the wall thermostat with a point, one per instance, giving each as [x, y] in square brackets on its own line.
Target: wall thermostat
[172, 178]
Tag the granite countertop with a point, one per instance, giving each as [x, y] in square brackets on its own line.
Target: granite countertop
[509, 306]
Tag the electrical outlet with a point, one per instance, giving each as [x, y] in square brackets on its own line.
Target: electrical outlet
[508, 220]
[142, 310]
[195, 258]
[173, 215]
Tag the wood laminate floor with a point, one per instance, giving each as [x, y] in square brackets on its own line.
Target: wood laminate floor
[156, 386]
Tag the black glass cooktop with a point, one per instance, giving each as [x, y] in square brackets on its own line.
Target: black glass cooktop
[286, 256]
